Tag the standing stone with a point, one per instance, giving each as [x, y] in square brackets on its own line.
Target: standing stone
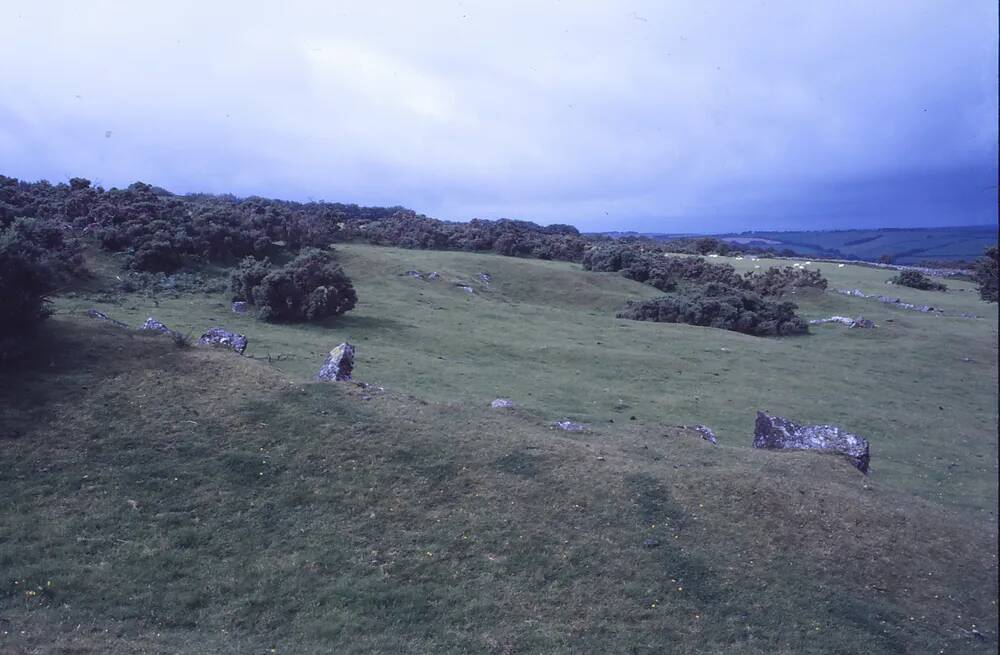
[775, 432]
[338, 365]
[219, 337]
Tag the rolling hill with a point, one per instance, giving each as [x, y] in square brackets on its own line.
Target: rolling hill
[201, 501]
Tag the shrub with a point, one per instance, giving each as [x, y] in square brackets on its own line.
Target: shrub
[26, 278]
[917, 280]
[312, 286]
[987, 276]
[778, 281]
[720, 306]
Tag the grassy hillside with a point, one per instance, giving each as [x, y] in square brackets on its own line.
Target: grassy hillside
[199, 501]
[908, 246]
[544, 335]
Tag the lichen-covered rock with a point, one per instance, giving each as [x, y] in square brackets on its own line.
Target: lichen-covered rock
[501, 403]
[101, 316]
[241, 307]
[777, 433]
[219, 337]
[154, 325]
[338, 365]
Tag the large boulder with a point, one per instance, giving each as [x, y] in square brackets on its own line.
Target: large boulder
[338, 365]
[219, 337]
[776, 432]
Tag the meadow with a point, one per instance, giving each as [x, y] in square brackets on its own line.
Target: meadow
[198, 501]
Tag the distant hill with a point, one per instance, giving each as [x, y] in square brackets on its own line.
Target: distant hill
[905, 245]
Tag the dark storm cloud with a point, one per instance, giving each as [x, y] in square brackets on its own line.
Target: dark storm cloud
[702, 116]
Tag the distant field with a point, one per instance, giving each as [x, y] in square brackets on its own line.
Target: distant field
[907, 246]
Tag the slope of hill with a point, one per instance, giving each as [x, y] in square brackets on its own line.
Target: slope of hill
[906, 246]
[199, 501]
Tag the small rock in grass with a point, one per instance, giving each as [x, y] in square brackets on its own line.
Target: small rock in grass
[570, 426]
[338, 365]
[500, 403]
[416, 274]
[706, 433]
[651, 543]
[219, 337]
[240, 307]
[154, 325]
[101, 316]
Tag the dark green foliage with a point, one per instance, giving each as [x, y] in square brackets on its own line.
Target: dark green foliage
[917, 280]
[720, 306]
[656, 268]
[987, 275]
[34, 260]
[310, 287]
[778, 281]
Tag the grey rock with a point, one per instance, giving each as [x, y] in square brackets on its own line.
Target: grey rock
[154, 325]
[101, 316]
[859, 322]
[338, 365]
[706, 433]
[416, 274]
[892, 300]
[241, 307]
[466, 288]
[433, 275]
[219, 337]
[486, 277]
[778, 433]
[501, 403]
[651, 543]
[570, 426]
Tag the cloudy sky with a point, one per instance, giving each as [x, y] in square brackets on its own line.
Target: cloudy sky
[692, 116]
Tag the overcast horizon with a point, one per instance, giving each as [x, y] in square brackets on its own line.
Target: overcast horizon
[700, 118]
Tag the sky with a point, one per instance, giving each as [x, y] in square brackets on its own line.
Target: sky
[695, 116]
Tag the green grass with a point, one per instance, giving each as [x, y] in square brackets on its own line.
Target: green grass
[160, 499]
[544, 335]
[168, 500]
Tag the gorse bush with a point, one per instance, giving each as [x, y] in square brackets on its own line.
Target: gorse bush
[917, 280]
[34, 259]
[988, 274]
[310, 287]
[720, 306]
[779, 281]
